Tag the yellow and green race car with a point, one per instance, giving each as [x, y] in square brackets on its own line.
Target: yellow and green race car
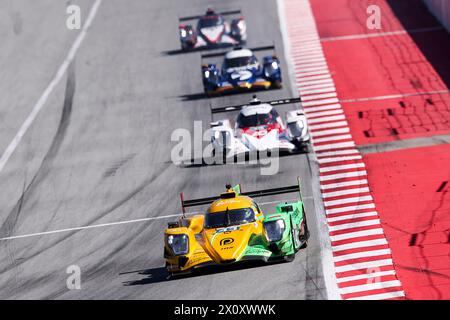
[234, 229]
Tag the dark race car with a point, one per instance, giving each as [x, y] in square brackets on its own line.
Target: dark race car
[213, 30]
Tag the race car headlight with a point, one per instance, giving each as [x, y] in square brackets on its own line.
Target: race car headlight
[273, 230]
[207, 74]
[178, 243]
[183, 33]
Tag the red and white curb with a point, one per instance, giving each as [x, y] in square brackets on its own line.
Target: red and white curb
[362, 258]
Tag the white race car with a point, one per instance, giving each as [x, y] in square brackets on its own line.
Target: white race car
[259, 127]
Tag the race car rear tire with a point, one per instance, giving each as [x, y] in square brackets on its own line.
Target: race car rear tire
[277, 84]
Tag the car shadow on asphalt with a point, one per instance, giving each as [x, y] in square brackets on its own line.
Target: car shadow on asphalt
[160, 274]
[202, 95]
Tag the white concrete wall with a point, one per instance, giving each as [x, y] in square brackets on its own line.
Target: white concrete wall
[441, 9]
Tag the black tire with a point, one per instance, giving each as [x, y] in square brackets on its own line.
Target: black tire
[277, 84]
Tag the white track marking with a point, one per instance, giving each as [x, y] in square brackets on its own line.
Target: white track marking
[396, 96]
[334, 146]
[90, 227]
[360, 244]
[322, 63]
[315, 83]
[338, 159]
[312, 115]
[343, 184]
[381, 296]
[345, 192]
[54, 82]
[333, 138]
[351, 235]
[320, 102]
[337, 153]
[352, 225]
[322, 108]
[379, 34]
[330, 125]
[319, 96]
[342, 167]
[362, 254]
[347, 201]
[350, 208]
[352, 216]
[177, 215]
[326, 119]
[364, 265]
[371, 286]
[366, 276]
[321, 90]
[303, 75]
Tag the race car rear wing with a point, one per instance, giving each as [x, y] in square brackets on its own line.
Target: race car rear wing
[240, 106]
[222, 53]
[257, 193]
[224, 13]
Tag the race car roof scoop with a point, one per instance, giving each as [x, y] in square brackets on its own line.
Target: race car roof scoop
[255, 101]
[228, 195]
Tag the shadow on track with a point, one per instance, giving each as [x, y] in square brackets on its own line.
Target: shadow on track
[160, 274]
[436, 48]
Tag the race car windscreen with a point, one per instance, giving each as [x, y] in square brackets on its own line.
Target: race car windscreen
[239, 62]
[229, 218]
[257, 119]
[210, 21]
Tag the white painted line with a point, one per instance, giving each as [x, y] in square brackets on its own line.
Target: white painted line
[344, 175]
[302, 75]
[318, 84]
[337, 153]
[333, 138]
[301, 60]
[313, 115]
[321, 63]
[347, 201]
[91, 226]
[334, 146]
[326, 80]
[362, 254]
[352, 225]
[370, 275]
[342, 167]
[315, 91]
[350, 208]
[371, 286]
[326, 119]
[322, 108]
[319, 96]
[320, 102]
[345, 192]
[343, 184]
[337, 159]
[353, 216]
[381, 296]
[330, 125]
[54, 82]
[379, 34]
[303, 68]
[396, 96]
[364, 265]
[351, 235]
[360, 244]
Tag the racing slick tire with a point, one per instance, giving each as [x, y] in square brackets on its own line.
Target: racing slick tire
[277, 84]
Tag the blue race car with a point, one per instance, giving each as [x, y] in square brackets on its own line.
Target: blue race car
[241, 71]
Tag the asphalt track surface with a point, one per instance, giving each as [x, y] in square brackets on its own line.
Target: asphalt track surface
[99, 152]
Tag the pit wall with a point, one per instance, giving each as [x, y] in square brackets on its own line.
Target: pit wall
[441, 10]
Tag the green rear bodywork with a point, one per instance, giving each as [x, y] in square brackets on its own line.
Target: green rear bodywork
[292, 214]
